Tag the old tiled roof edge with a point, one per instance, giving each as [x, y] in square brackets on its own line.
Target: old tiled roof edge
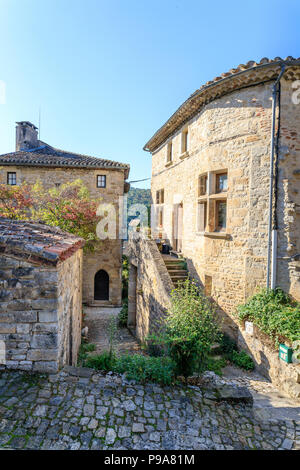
[242, 76]
[48, 156]
[56, 247]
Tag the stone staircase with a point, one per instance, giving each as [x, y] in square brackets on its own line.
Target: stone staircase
[176, 268]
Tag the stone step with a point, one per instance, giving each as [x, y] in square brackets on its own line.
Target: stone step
[177, 272]
[171, 267]
[173, 261]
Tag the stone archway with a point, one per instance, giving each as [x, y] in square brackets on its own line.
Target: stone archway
[101, 285]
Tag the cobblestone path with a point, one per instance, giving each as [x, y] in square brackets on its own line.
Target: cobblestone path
[97, 320]
[94, 411]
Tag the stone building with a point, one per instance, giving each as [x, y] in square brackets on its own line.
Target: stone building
[211, 184]
[40, 296]
[35, 160]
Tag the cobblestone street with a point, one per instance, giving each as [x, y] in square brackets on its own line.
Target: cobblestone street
[93, 411]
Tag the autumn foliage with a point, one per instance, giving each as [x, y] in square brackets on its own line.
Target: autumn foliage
[69, 207]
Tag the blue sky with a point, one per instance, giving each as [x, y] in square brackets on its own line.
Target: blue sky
[108, 74]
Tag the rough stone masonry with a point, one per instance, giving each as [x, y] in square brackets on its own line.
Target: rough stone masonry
[40, 296]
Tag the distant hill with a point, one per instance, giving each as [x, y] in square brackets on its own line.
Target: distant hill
[139, 196]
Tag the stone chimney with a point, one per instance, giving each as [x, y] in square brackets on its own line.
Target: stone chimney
[26, 136]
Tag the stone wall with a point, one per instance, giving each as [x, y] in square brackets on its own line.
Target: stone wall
[232, 133]
[109, 256]
[53, 176]
[37, 305]
[152, 286]
[285, 376]
[69, 311]
[288, 269]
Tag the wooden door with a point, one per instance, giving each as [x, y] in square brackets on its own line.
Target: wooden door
[177, 226]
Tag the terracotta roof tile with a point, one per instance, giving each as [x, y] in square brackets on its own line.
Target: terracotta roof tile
[37, 243]
[245, 74]
[46, 155]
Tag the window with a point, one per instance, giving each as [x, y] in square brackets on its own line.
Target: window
[185, 141]
[169, 152]
[221, 182]
[160, 196]
[202, 188]
[212, 202]
[220, 216]
[11, 178]
[160, 199]
[160, 217]
[101, 181]
[202, 216]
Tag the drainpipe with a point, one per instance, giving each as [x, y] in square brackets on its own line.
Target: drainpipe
[272, 232]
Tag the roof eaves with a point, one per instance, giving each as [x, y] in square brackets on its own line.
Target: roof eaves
[203, 89]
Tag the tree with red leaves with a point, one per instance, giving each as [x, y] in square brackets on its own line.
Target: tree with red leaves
[69, 207]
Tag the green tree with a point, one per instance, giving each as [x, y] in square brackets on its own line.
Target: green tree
[190, 328]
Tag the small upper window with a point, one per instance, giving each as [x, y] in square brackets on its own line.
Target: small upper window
[221, 182]
[169, 152]
[101, 181]
[11, 178]
[185, 141]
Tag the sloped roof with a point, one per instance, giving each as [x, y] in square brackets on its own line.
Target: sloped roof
[244, 75]
[37, 243]
[46, 155]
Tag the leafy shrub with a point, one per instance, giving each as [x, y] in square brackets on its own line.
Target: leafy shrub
[84, 349]
[104, 361]
[230, 351]
[227, 344]
[125, 276]
[242, 359]
[216, 365]
[88, 347]
[137, 367]
[146, 369]
[274, 313]
[123, 315]
[189, 329]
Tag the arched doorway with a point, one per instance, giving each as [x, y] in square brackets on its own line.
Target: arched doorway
[101, 285]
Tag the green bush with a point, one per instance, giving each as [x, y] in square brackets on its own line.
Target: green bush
[123, 315]
[274, 313]
[84, 349]
[242, 359]
[125, 276]
[104, 361]
[216, 365]
[137, 367]
[227, 344]
[229, 349]
[146, 369]
[189, 329]
[88, 347]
